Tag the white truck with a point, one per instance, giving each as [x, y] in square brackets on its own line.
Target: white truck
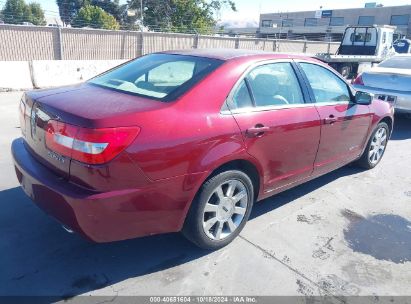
[361, 47]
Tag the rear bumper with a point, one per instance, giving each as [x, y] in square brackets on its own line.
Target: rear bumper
[103, 216]
[402, 103]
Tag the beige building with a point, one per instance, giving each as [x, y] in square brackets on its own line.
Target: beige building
[330, 24]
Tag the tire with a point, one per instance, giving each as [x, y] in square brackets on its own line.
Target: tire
[366, 160]
[226, 211]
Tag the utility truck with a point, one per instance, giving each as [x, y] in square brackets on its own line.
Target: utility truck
[361, 47]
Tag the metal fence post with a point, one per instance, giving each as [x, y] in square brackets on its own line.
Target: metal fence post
[195, 42]
[329, 47]
[237, 42]
[305, 47]
[123, 45]
[60, 44]
[140, 49]
[275, 45]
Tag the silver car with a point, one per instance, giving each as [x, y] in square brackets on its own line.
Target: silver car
[389, 81]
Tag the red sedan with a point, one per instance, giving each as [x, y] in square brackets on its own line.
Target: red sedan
[189, 140]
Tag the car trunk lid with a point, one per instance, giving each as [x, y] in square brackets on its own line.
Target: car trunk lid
[389, 79]
[84, 106]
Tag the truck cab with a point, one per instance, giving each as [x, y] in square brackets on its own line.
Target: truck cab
[361, 47]
[368, 41]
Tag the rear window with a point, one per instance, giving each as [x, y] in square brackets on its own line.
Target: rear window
[397, 63]
[163, 77]
[360, 37]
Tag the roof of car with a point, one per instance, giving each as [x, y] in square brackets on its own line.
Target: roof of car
[227, 54]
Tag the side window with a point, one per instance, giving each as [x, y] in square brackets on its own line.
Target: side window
[241, 97]
[326, 86]
[275, 84]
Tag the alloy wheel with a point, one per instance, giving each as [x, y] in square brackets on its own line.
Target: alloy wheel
[225, 209]
[377, 146]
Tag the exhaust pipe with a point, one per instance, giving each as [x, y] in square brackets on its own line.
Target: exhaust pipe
[67, 229]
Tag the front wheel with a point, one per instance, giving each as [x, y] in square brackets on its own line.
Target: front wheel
[220, 210]
[376, 146]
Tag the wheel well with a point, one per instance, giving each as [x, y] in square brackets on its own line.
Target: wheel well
[388, 121]
[244, 166]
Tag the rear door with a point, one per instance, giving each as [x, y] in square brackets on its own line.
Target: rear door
[279, 129]
[344, 124]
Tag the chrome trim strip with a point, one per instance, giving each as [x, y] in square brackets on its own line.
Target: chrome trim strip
[267, 108]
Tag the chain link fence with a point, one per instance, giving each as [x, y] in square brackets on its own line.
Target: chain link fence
[23, 43]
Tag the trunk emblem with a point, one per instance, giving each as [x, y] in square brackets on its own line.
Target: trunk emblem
[55, 156]
[37, 115]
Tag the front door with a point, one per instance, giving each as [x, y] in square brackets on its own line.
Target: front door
[279, 129]
[344, 124]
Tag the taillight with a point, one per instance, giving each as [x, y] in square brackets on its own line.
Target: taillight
[358, 80]
[22, 116]
[91, 146]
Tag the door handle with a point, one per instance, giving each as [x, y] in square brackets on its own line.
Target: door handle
[256, 131]
[330, 119]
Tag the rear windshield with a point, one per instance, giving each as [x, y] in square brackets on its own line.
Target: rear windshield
[360, 37]
[400, 62]
[163, 77]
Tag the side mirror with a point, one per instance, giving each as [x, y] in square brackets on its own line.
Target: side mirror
[363, 98]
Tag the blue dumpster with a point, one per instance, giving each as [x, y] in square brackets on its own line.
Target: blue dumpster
[402, 46]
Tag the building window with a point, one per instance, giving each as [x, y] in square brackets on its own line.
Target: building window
[287, 23]
[366, 20]
[310, 22]
[266, 23]
[336, 21]
[400, 19]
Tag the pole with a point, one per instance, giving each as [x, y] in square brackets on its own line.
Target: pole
[60, 53]
[142, 12]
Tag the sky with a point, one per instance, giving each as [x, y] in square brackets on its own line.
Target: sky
[248, 11]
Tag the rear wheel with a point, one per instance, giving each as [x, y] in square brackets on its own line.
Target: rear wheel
[375, 149]
[220, 210]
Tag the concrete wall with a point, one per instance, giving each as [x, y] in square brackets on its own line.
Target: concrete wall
[53, 73]
[15, 75]
[41, 57]
[24, 75]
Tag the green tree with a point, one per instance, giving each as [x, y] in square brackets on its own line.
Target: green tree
[181, 15]
[17, 12]
[110, 6]
[36, 14]
[68, 9]
[95, 17]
